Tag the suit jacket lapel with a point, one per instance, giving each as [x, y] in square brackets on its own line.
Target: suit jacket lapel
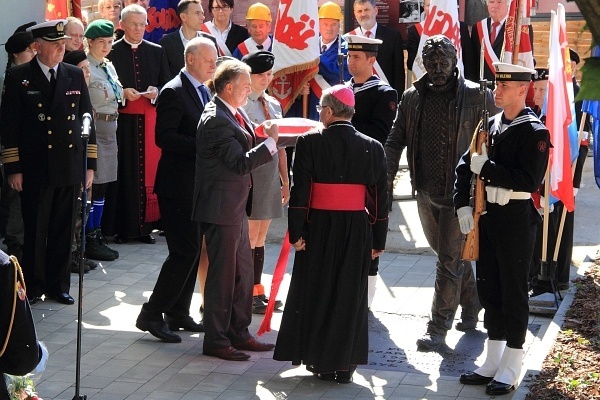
[243, 133]
[193, 92]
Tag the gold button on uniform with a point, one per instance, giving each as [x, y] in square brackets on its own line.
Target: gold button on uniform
[40, 105]
[49, 146]
[70, 131]
[73, 105]
[49, 118]
[69, 118]
[49, 132]
[70, 145]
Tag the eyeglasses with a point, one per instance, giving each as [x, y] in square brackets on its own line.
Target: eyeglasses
[321, 107]
[224, 9]
[137, 25]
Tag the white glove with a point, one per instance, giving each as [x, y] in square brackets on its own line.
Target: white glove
[575, 190]
[503, 196]
[491, 192]
[465, 219]
[477, 160]
[498, 195]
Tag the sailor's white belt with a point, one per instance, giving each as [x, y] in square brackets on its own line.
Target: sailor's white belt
[520, 195]
[501, 196]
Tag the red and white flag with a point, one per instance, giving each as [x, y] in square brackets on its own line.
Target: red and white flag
[296, 49]
[442, 19]
[558, 116]
[289, 127]
[517, 43]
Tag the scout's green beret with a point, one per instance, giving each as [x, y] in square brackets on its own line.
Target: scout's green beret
[99, 28]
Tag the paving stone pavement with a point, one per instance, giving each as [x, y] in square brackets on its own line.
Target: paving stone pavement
[120, 362]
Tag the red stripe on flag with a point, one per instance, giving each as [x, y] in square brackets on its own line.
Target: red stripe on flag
[265, 325]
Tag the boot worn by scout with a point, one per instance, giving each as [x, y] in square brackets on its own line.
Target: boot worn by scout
[95, 249]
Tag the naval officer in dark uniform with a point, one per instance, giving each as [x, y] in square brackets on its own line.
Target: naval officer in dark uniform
[512, 167]
[42, 108]
[375, 109]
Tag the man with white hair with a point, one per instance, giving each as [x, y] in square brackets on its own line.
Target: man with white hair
[131, 205]
[179, 107]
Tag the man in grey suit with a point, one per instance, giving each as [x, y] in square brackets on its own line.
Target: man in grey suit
[225, 156]
[191, 14]
[178, 110]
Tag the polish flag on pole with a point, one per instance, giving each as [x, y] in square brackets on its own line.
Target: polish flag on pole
[442, 19]
[296, 49]
[558, 117]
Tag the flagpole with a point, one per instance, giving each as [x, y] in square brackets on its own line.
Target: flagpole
[517, 32]
[564, 211]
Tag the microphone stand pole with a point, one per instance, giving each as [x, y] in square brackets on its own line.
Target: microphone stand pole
[85, 135]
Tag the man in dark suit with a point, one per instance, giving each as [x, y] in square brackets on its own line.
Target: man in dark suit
[178, 110]
[390, 58]
[42, 109]
[228, 34]
[191, 14]
[226, 155]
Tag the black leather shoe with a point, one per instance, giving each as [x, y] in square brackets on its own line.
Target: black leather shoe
[159, 330]
[495, 388]
[473, 378]
[254, 345]
[330, 376]
[148, 239]
[64, 298]
[227, 353]
[344, 376]
[184, 323]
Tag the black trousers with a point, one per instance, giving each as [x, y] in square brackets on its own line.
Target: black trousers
[174, 288]
[49, 221]
[506, 241]
[229, 283]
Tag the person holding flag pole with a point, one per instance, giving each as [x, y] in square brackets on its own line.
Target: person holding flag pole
[560, 177]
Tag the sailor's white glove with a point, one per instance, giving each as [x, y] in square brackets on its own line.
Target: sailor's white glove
[498, 195]
[465, 219]
[477, 160]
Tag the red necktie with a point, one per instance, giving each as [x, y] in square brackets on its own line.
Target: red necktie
[368, 34]
[242, 123]
[494, 32]
[239, 118]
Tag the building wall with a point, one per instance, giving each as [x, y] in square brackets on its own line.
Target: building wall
[13, 17]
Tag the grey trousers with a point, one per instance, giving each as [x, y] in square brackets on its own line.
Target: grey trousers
[454, 279]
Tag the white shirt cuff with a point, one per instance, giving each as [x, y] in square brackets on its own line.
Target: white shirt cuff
[271, 145]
